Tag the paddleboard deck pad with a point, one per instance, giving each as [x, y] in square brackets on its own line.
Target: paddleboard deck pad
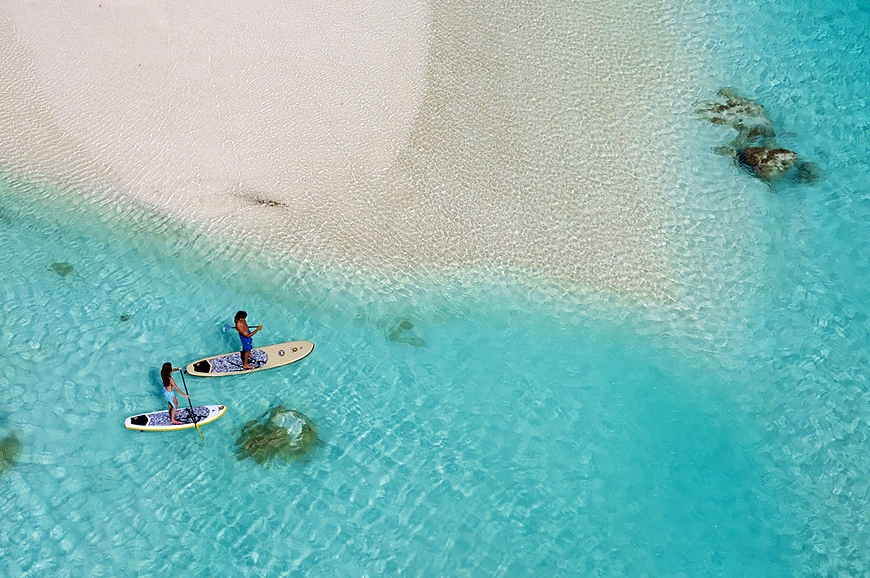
[261, 358]
[159, 420]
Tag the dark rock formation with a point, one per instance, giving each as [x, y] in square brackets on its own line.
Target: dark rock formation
[767, 163]
[404, 333]
[754, 146]
[62, 268]
[807, 173]
[745, 115]
[10, 447]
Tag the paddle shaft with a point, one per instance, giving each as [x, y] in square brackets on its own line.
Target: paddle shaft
[190, 403]
[227, 327]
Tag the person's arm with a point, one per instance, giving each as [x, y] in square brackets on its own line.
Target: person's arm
[179, 391]
[242, 328]
[246, 331]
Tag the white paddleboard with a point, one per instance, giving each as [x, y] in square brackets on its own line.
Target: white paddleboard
[159, 420]
[261, 358]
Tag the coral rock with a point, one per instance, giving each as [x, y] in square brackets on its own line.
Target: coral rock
[280, 433]
[768, 163]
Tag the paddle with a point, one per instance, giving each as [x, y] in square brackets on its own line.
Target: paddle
[228, 327]
[190, 403]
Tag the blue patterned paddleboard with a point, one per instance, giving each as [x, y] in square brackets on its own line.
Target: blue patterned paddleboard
[159, 420]
[261, 358]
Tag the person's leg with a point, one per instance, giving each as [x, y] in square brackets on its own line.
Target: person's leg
[247, 345]
[172, 414]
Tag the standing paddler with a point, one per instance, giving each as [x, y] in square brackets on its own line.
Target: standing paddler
[169, 389]
[246, 336]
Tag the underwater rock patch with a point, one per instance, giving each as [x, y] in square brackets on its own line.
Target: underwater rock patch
[808, 173]
[279, 434]
[404, 333]
[744, 115]
[754, 147]
[768, 163]
[62, 268]
[125, 317]
[10, 447]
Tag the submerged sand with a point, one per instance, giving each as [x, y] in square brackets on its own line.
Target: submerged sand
[388, 134]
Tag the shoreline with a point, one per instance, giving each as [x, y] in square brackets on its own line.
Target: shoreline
[530, 154]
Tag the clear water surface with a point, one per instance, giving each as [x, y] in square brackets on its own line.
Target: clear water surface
[514, 429]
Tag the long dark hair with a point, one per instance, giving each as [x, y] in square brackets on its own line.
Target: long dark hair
[240, 315]
[165, 373]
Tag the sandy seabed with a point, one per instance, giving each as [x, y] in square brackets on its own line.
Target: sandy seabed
[388, 134]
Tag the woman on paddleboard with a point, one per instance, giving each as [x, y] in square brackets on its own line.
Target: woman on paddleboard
[246, 336]
[169, 389]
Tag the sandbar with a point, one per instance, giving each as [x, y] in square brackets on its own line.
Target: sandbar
[381, 134]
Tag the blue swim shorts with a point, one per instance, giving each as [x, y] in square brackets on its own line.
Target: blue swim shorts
[247, 343]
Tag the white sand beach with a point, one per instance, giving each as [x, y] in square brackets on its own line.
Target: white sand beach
[385, 134]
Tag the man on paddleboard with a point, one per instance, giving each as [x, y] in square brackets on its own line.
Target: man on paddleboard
[246, 336]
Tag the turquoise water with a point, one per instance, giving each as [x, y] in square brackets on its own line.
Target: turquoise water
[513, 441]
[518, 427]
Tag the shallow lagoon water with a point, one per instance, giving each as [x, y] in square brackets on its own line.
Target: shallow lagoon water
[541, 429]
[514, 441]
